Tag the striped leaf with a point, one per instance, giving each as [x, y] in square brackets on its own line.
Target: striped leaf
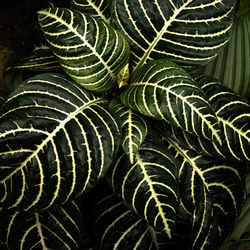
[211, 192]
[233, 113]
[164, 91]
[189, 32]
[134, 129]
[190, 141]
[54, 145]
[51, 229]
[41, 59]
[148, 186]
[96, 8]
[232, 66]
[119, 228]
[90, 51]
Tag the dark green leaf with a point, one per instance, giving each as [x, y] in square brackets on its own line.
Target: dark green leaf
[134, 129]
[164, 91]
[148, 186]
[233, 113]
[189, 32]
[96, 8]
[51, 229]
[56, 141]
[90, 51]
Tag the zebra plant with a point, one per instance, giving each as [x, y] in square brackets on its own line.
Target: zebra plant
[117, 144]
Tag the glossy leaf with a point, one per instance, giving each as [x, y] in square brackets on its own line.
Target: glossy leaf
[51, 229]
[211, 192]
[189, 32]
[90, 51]
[96, 8]
[119, 228]
[233, 113]
[164, 91]
[54, 145]
[148, 186]
[134, 129]
[232, 66]
[41, 59]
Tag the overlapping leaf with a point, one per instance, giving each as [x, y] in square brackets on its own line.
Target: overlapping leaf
[90, 51]
[211, 192]
[119, 228]
[148, 186]
[232, 66]
[51, 229]
[164, 91]
[56, 141]
[41, 59]
[233, 113]
[134, 129]
[96, 8]
[190, 32]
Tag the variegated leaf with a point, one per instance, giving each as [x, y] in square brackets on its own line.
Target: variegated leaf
[164, 91]
[233, 113]
[134, 129]
[96, 8]
[210, 190]
[41, 59]
[90, 51]
[189, 32]
[119, 228]
[51, 229]
[56, 141]
[148, 186]
[190, 141]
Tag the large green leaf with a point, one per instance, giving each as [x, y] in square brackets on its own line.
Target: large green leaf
[51, 229]
[163, 90]
[90, 51]
[233, 113]
[148, 186]
[96, 8]
[134, 129]
[56, 141]
[190, 32]
[119, 228]
[232, 66]
[211, 193]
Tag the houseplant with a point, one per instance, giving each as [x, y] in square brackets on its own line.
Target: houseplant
[155, 164]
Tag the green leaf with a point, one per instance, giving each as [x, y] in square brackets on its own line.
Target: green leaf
[96, 8]
[56, 141]
[243, 224]
[211, 193]
[51, 229]
[41, 59]
[233, 113]
[119, 228]
[148, 186]
[134, 129]
[188, 32]
[164, 91]
[232, 66]
[90, 51]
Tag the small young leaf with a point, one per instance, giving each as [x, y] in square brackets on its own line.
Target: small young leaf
[134, 129]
